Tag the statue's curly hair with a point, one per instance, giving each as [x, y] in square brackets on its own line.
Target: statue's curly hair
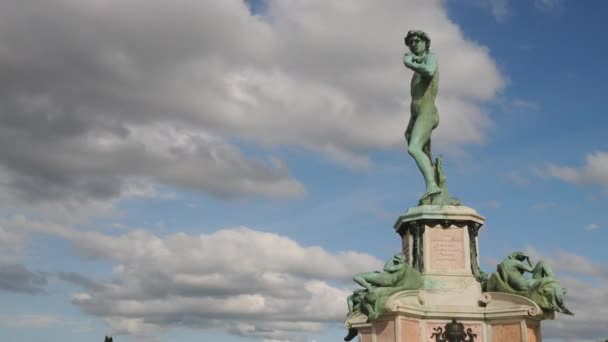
[417, 33]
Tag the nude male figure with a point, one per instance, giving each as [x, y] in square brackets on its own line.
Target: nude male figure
[424, 115]
[513, 268]
[512, 271]
[390, 276]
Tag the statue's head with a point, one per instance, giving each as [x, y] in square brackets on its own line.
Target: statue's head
[399, 257]
[521, 256]
[418, 42]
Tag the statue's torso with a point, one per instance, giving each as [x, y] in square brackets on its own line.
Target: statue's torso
[424, 91]
[513, 275]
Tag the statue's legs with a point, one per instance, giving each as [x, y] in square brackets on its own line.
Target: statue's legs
[370, 279]
[542, 270]
[427, 150]
[557, 292]
[369, 310]
[408, 130]
[421, 135]
[349, 302]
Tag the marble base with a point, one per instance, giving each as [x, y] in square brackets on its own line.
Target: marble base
[414, 316]
[440, 240]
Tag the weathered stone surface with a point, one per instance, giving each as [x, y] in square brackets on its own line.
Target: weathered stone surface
[506, 332]
[447, 249]
[410, 330]
[385, 331]
[365, 335]
[533, 333]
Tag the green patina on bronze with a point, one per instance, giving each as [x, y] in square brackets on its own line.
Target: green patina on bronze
[480, 276]
[417, 231]
[425, 117]
[542, 287]
[378, 286]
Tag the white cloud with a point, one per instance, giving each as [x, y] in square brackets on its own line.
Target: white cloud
[126, 96]
[591, 226]
[516, 177]
[549, 6]
[500, 8]
[493, 204]
[517, 104]
[230, 277]
[595, 170]
[524, 104]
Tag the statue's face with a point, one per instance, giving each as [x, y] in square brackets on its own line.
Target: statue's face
[417, 45]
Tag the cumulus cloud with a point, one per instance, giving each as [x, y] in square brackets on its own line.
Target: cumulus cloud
[97, 93]
[241, 280]
[595, 170]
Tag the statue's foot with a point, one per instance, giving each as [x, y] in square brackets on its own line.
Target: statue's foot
[566, 311]
[432, 190]
[352, 333]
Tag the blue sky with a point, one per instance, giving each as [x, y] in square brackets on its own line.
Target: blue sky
[219, 170]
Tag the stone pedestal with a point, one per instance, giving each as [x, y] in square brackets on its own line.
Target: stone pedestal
[441, 243]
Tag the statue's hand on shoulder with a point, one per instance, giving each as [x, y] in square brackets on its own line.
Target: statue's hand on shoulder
[408, 58]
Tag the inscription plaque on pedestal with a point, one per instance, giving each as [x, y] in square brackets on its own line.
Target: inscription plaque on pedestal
[446, 249]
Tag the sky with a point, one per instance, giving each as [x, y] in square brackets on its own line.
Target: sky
[219, 170]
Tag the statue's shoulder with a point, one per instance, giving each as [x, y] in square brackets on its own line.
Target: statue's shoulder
[430, 58]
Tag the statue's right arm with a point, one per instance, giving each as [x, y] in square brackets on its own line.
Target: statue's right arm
[391, 266]
[427, 68]
[523, 267]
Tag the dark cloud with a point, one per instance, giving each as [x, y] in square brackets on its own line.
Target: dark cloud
[17, 278]
[80, 280]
